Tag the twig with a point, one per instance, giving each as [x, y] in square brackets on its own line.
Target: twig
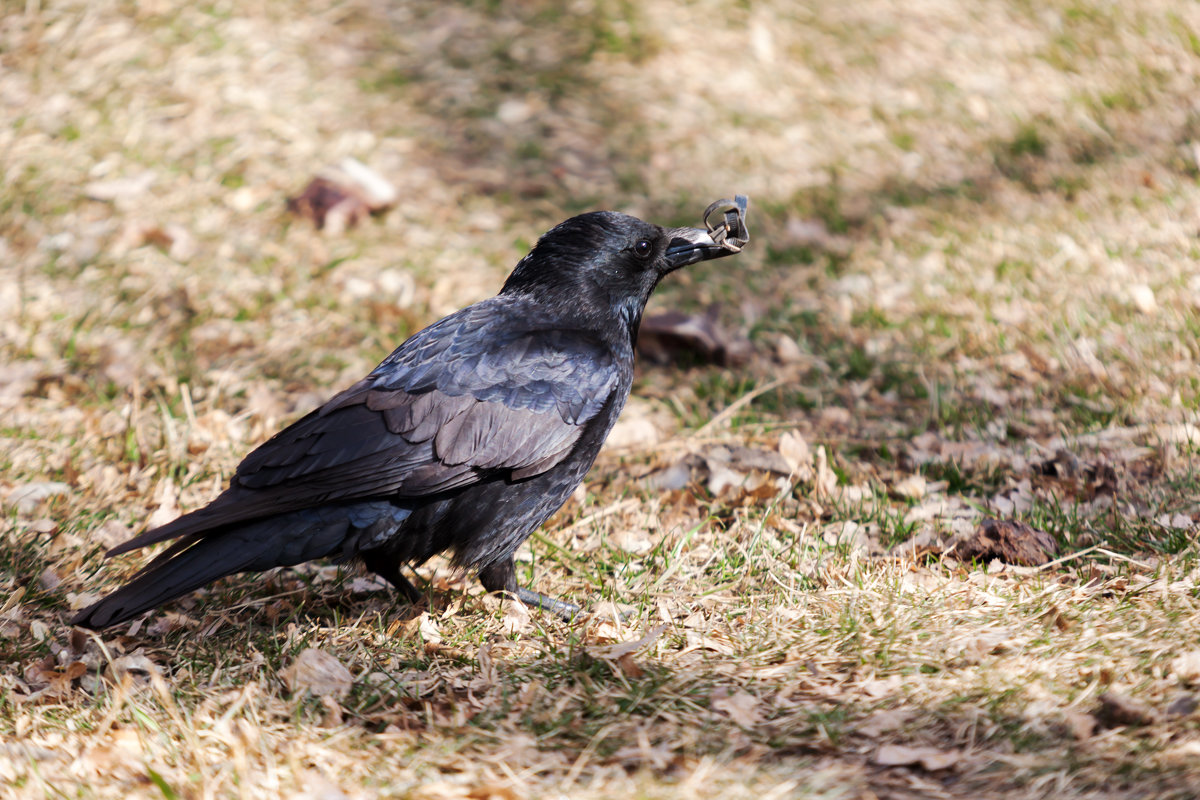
[734, 407]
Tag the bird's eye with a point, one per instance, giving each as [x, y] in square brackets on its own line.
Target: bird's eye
[643, 248]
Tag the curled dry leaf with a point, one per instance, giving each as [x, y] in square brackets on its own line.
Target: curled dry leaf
[1010, 541]
[515, 618]
[428, 627]
[825, 480]
[796, 454]
[318, 673]
[928, 758]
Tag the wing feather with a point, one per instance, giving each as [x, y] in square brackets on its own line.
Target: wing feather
[492, 390]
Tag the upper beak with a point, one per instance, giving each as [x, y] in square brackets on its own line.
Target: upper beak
[689, 245]
[729, 236]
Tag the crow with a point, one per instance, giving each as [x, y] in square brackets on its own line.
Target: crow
[465, 439]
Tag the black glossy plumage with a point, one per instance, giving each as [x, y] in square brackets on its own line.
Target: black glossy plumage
[465, 439]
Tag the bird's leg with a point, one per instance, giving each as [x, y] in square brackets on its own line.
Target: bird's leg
[502, 577]
[389, 570]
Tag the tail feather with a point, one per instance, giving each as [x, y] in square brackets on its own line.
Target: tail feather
[202, 558]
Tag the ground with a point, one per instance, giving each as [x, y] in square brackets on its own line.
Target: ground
[972, 291]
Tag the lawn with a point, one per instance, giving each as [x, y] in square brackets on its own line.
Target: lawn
[972, 291]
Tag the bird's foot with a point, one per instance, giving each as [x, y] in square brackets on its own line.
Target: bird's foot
[390, 572]
[560, 608]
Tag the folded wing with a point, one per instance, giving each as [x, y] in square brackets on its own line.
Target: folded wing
[487, 391]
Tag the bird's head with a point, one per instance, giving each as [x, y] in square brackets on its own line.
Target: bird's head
[604, 263]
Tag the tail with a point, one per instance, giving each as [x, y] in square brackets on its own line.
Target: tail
[282, 541]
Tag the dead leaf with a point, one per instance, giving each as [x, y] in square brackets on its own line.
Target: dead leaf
[664, 337]
[741, 707]
[1010, 541]
[1186, 666]
[796, 454]
[674, 477]
[614, 651]
[633, 430]
[1081, 724]
[749, 458]
[629, 667]
[514, 619]
[825, 479]
[1183, 705]
[1118, 710]
[173, 239]
[318, 673]
[787, 351]
[632, 540]
[167, 498]
[27, 497]
[881, 722]
[340, 197]
[120, 188]
[49, 580]
[930, 759]
[721, 467]
[912, 487]
[136, 665]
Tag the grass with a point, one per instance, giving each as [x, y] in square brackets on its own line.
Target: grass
[971, 291]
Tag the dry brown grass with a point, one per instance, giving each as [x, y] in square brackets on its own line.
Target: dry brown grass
[973, 283]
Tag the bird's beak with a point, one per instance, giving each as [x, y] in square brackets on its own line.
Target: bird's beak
[723, 238]
[689, 245]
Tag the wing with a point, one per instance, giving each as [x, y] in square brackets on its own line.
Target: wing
[489, 390]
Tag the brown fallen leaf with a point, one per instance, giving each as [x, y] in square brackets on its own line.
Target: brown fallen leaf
[1186, 666]
[173, 239]
[796, 454]
[1010, 541]
[720, 467]
[514, 619]
[616, 651]
[340, 197]
[1118, 710]
[930, 759]
[741, 707]
[629, 667]
[1081, 724]
[663, 337]
[318, 673]
[881, 722]
[25, 498]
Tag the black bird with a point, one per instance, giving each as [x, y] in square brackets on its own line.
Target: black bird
[465, 439]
